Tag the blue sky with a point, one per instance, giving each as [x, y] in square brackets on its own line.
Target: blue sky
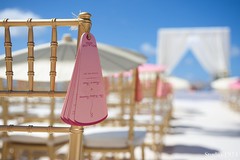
[131, 23]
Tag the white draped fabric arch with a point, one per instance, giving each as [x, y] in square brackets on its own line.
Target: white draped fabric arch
[209, 45]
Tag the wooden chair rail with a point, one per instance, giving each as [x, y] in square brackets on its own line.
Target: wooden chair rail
[43, 22]
[33, 93]
[31, 128]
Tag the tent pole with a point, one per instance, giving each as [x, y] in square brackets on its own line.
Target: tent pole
[76, 136]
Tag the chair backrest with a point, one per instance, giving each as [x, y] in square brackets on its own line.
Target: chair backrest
[28, 86]
[121, 95]
[83, 24]
[129, 95]
[149, 83]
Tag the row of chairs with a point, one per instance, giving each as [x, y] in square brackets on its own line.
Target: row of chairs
[229, 90]
[35, 145]
[233, 99]
[131, 123]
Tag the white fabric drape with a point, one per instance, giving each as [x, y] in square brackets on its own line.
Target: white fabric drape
[209, 45]
[171, 48]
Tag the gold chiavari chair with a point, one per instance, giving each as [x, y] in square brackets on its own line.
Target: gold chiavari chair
[118, 139]
[50, 145]
[114, 92]
[149, 111]
[234, 94]
[166, 102]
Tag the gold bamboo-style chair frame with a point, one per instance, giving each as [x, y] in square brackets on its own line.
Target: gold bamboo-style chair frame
[159, 107]
[127, 91]
[83, 23]
[149, 81]
[115, 89]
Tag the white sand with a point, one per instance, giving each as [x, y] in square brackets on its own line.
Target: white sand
[204, 128]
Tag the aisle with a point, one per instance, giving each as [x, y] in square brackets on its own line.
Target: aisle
[203, 128]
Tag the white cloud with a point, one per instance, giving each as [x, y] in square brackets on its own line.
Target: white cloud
[14, 13]
[148, 49]
[235, 51]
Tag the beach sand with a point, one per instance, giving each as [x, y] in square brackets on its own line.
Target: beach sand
[202, 128]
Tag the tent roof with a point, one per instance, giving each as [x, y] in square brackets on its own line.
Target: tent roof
[113, 59]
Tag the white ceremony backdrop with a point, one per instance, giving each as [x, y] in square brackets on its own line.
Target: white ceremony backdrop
[209, 45]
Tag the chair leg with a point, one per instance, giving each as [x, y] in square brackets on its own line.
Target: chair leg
[143, 151]
[116, 157]
[5, 150]
[155, 142]
[155, 149]
[132, 157]
[15, 153]
[51, 153]
[89, 156]
[158, 147]
[103, 156]
[30, 155]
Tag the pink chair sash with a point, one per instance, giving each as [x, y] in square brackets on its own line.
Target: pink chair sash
[163, 89]
[235, 85]
[138, 88]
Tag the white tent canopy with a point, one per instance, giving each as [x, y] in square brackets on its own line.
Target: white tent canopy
[113, 59]
[209, 45]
